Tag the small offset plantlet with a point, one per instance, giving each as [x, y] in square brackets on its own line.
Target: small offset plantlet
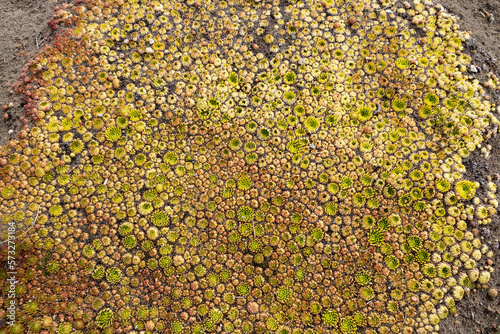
[113, 275]
[105, 318]
[113, 133]
[245, 214]
[364, 278]
[465, 189]
[244, 182]
[64, 328]
[364, 114]
[348, 325]
[283, 294]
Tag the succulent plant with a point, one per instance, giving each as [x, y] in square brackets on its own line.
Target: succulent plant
[105, 318]
[246, 175]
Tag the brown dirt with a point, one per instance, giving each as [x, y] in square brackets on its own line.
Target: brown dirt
[478, 313]
[23, 24]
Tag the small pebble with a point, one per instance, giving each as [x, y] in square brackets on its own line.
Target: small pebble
[473, 69]
[253, 307]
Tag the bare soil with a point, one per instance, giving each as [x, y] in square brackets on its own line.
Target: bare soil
[24, 31]
[479, 313]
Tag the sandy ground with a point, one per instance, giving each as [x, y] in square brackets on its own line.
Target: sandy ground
[479, 313]
[23, 26]
[24, 30]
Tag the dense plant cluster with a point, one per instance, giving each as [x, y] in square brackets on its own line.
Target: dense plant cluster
[248, 167]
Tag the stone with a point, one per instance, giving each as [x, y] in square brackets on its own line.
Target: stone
[253, 307]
